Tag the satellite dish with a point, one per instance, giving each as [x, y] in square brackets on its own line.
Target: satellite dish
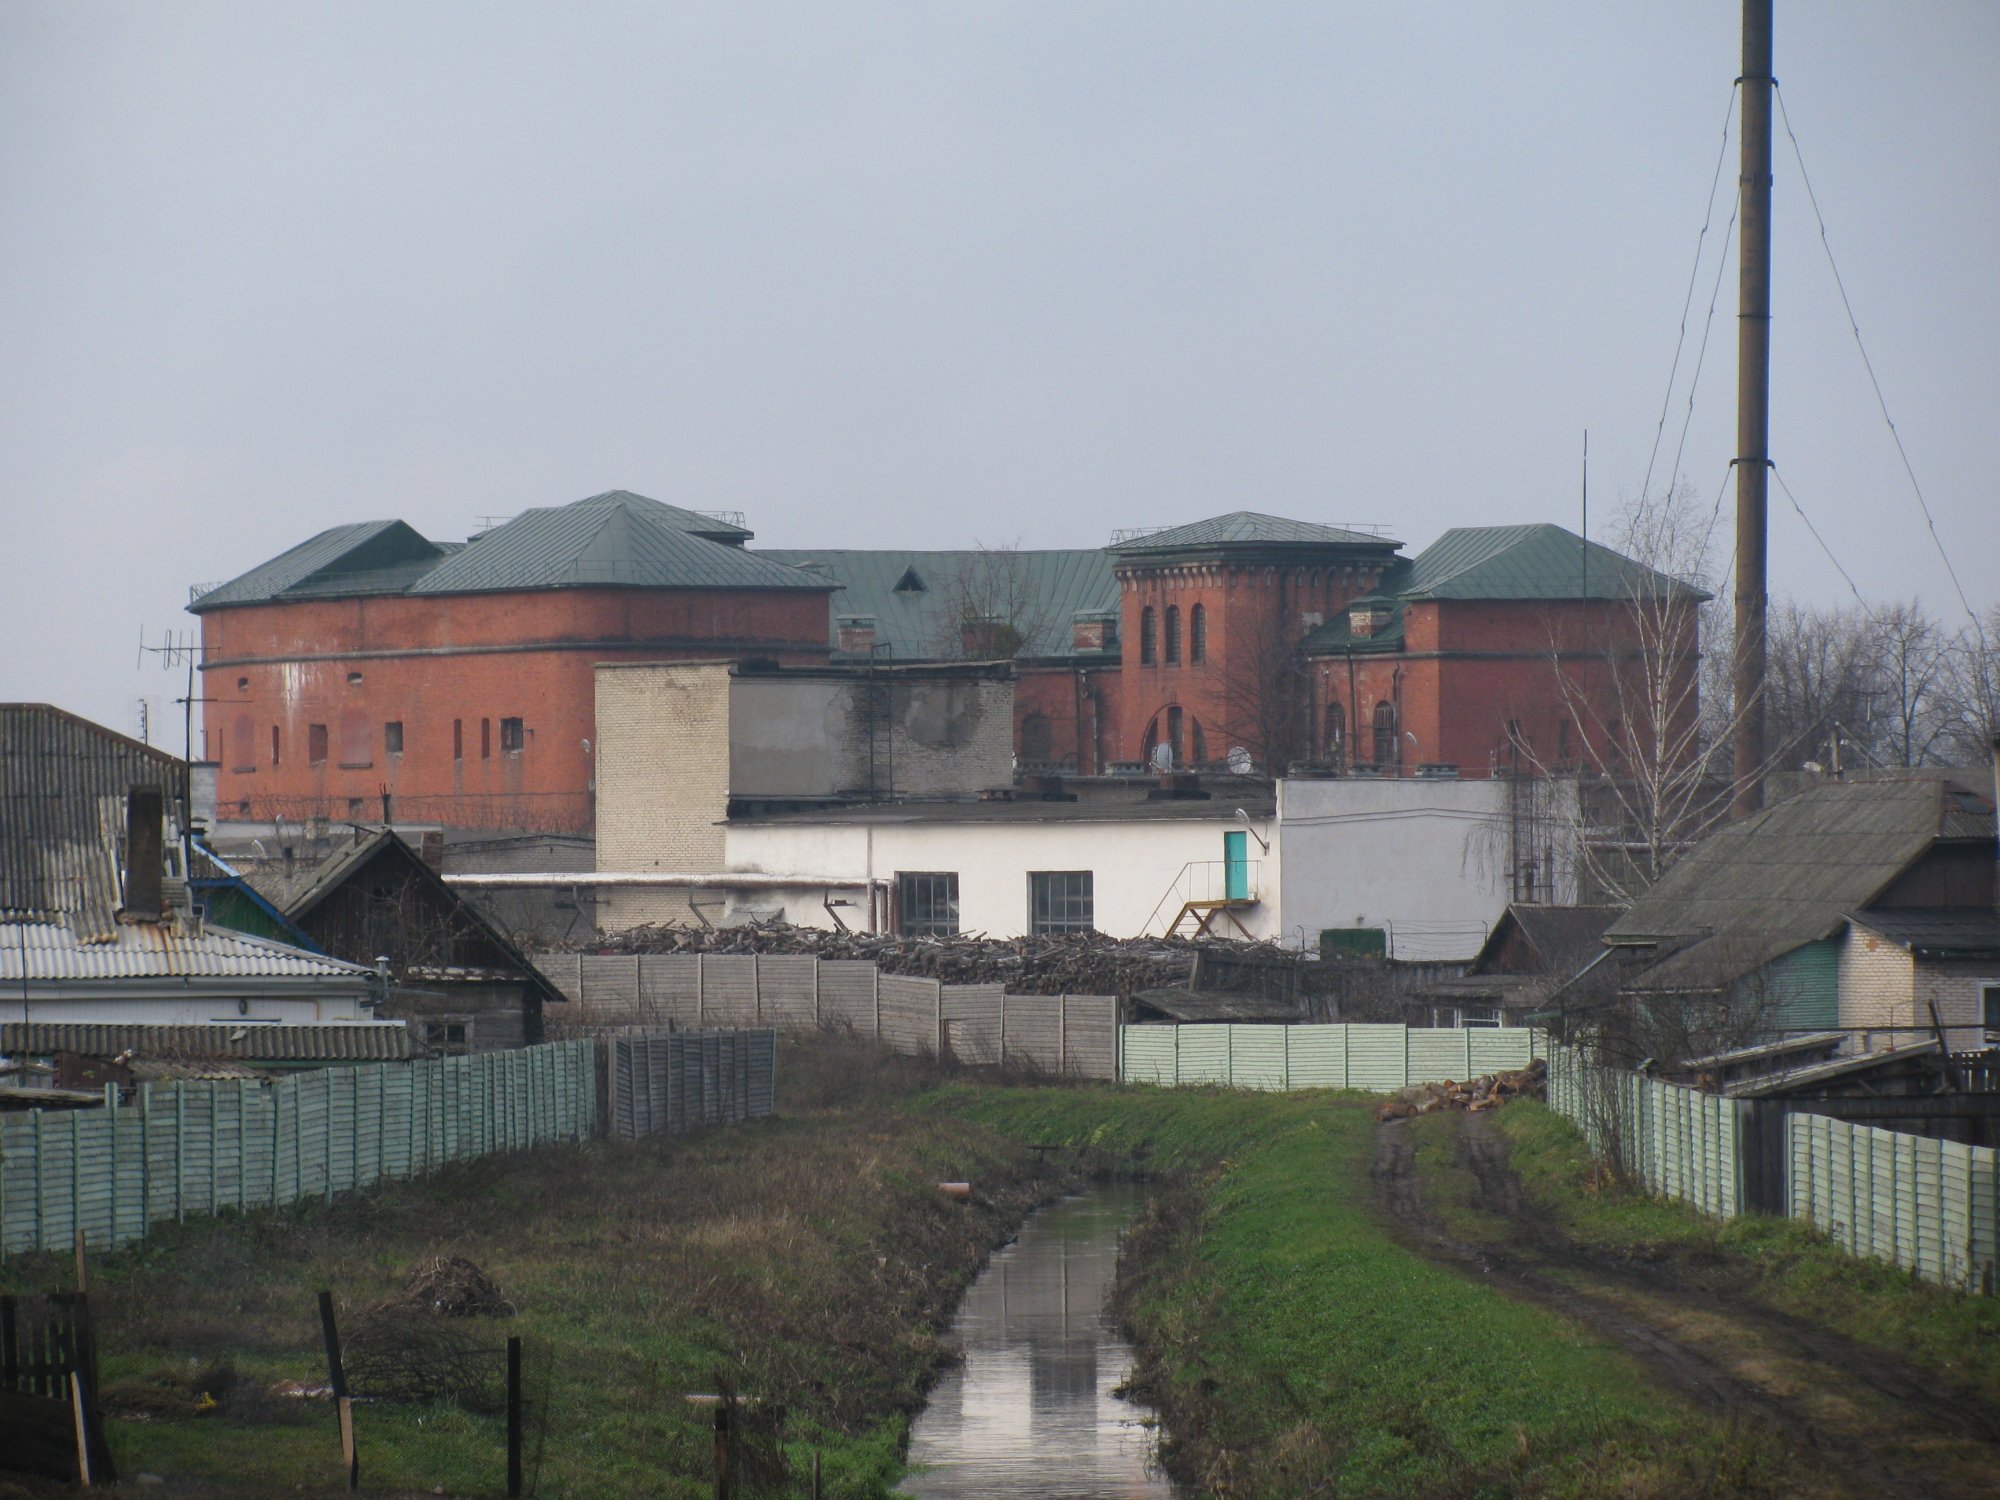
[1162, 758]
[1239, 761]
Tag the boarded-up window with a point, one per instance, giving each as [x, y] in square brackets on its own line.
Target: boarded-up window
[458, 739]
[392, 737]
[316, 744]
[486, 739]
[276, 746]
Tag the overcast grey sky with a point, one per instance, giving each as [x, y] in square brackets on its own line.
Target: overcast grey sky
[931, 274]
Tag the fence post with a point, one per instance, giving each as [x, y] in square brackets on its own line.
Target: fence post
[937, 1008]
[875, 985]
[337, 1378]
[700, 993]
[513, 1415]
[757, 988]
[1003, 1025]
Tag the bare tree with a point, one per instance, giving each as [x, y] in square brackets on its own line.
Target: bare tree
[1265, 691]
[1912, 655]
[994, 609]
[1819, 681]
[1630, 677]
[1968, 692]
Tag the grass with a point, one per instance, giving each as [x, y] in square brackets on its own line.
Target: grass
[1295, 1347]
[807, 1260]
[1782, 1263]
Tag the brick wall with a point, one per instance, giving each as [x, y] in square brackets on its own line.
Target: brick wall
[1877, 986]
[662, 779]
[449, 670]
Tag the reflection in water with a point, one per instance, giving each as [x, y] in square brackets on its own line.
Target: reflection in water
[1030, 1411]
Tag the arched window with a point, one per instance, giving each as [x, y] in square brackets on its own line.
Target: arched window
[1146, 649]
[1037, 740]
[1198, 634]
[1385, 734]
[1173, 632]
[1336, 733]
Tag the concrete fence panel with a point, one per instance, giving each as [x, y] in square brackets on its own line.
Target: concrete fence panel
[910, 1015]
[679, 1080]
[971, 1016]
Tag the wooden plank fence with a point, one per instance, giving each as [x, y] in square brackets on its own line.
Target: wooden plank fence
[683, 1080]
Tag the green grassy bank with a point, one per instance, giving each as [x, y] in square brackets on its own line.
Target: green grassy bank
[1781, 1263]
[1295, 1347]
[809, 1261]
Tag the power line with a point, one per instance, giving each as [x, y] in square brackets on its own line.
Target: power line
[1694, 273]
[1848, 577]
[1869, 365]
[1707, 328]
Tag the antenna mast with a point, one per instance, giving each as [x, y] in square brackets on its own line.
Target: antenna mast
[1753, 405]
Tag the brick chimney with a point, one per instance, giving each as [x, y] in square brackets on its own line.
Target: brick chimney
[145, 853]
[854, 635]
[1093, 630]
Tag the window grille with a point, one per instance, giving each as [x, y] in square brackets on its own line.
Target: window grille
[1060, 901]
[927, 903]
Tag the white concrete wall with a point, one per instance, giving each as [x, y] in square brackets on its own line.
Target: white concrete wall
[1137, 866]
[1428, 860]
[1877, 989]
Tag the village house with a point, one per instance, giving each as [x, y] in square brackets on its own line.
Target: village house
[97, 922]
[1855, 907]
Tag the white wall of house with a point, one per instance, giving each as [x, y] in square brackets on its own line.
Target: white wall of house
[1141, 869]
[1429, 860]
[53, 1003]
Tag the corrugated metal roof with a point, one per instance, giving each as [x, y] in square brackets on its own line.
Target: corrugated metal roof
[1249, 528]
[1039, 592]
[615, 539]
[363, 1041]
[352, 551]
[37, 950]
[692, 522]
[63, 784]
[1531, 562]
[1788, 876]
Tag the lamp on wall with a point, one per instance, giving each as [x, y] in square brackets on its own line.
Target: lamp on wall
[1243, 817]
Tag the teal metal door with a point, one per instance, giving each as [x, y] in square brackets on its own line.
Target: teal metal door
[1236, 866]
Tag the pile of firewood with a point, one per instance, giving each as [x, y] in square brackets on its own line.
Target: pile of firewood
[1488, 1091]
[1076, 963]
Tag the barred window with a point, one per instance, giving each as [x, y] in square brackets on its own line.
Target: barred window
[1173, 632]
[1060, 901]
[927, 903]
[1146, 646]
[512, 737]
[1198, 633]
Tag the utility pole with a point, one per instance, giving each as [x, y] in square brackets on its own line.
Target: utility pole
[1753, 405]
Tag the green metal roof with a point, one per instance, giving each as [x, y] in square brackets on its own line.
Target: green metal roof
[616, 539]
[918, 598]
[1531, 562]
[613, 538]
[354, 553]
[1249, 528]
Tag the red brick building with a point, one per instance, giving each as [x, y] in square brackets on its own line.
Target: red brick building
[371, 673]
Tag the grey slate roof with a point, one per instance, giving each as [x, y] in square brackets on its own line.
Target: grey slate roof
[1791, 874]
[1050, 587]
[48, 952]
[613, 538]
[1249, 528]
[364, 1041]
[63, 783]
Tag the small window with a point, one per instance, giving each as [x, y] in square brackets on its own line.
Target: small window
[243, 808]
[910, 583]
[354, 679]
[450, 1035]
[511, 737]
[1385, 734]
[927, 903]
[1198, 633]
[1990, 1006]
[316, 744]
[1148, 652]
[242, 684]
[1060, 901]
[486, 739]
[276, 747]
[392, 737]
[354, 807]
[458, 739]
[1173, 632]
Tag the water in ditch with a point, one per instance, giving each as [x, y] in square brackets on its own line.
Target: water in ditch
[1031, 1411]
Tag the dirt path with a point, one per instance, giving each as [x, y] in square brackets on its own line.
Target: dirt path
[1867, 1423]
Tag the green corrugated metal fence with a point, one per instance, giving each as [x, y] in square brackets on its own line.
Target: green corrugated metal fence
[1339, 1055]
[1932, 1207]
[187, 1148]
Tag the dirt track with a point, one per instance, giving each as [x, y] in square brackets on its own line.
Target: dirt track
[1865, 1422]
